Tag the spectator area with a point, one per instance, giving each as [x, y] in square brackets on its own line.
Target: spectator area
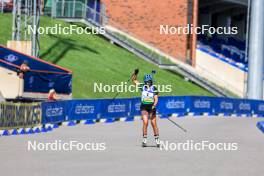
[212, 67]
[229, 50]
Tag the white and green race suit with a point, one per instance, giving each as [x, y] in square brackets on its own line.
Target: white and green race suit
[147, 93]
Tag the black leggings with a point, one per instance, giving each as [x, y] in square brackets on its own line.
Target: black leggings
[148, 108]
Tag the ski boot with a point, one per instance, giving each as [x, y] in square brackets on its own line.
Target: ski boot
[157, 140]
[144, 142]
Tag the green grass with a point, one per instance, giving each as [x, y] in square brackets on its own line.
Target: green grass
[155, 56]
[94, 60]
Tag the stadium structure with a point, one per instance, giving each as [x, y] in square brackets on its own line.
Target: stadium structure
[141, 22]
[147, 31]
[209, 55]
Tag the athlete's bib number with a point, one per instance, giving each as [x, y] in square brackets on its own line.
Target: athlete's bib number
[147, 97]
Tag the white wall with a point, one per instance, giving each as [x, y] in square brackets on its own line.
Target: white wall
[9, 83]
[221, 73]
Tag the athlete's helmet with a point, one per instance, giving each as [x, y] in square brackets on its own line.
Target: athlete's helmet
[147, 78]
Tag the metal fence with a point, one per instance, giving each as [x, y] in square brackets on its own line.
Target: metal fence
[68, 9]
[2, 4]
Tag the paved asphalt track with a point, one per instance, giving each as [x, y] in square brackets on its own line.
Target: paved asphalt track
[125, 156]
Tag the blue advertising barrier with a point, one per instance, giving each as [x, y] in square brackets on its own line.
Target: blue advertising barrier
[258, 108]
[225, 106]
[84, 109]
[115, 108]
[260, 126]
[201, 105]
[135, 107]
[173, 105]
[72, 110]
[243, 107]
[54, 112]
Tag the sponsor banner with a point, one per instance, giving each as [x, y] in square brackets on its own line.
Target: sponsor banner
[258, 107]
[54, 112]
[173, 105]
[84, 109]
[15, 115]
[115, 108]
[135, 107]
[200, 105]
[224, 106]
[243, 106]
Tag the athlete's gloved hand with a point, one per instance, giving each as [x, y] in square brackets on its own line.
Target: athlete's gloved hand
[136, 71]
[153, 107]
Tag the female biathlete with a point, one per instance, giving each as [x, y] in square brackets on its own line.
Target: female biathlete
[149, 100]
